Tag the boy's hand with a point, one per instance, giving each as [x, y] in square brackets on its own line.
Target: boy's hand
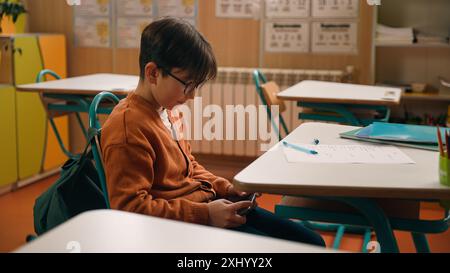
[223, 213]
[232, 191]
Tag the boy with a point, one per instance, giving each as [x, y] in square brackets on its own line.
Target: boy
[148, 169]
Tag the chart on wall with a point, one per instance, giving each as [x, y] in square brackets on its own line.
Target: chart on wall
[177, 8]
[339, 37]
[237, 8]
[94, 8]
[335, 8]
[287, 8]
[92, 23]
[321, 26]
[135, 8]
[287, 36]
[134, 15]
[97, 23]
[129, 31]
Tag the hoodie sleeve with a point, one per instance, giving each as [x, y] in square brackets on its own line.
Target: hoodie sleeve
[130, 174]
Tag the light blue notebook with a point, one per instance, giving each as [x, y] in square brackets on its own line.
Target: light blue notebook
[401, 132]
[353, 135]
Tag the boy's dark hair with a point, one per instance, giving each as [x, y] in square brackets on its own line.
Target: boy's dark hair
[174, 43]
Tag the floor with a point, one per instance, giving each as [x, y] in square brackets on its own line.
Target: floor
[17, 223]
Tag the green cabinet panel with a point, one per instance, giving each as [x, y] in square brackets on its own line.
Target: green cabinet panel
[31, 116]
[8, 143]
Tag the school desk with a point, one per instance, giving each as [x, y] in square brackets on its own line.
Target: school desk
[353, 184]
[74, 95]
[89, 85]
[338, 102]
[118, 231]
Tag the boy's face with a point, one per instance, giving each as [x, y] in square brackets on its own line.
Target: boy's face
[169, 90]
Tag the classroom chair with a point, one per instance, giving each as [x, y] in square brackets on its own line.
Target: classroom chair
[52, 105]
[344, 214]
[95, 130]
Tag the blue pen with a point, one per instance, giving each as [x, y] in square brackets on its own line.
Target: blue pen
[299, 148]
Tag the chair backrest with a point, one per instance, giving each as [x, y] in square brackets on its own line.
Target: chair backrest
[45, 72]
[40, 78]
[270, 91]
[267, 93]
[95, 130]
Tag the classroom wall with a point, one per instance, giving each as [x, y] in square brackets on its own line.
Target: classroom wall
[226, 35]
[236, 43]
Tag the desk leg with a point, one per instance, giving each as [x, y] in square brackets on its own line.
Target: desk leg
[80, 105]
[421, 243]
[379, 221]
[58, 137]
[74, 104]
[83, 128]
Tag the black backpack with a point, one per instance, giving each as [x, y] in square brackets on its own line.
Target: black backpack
[77, 190]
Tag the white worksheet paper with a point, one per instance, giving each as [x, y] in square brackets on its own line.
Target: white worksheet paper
[354, 154]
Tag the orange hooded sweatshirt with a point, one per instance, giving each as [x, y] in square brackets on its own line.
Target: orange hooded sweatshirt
[150, 172]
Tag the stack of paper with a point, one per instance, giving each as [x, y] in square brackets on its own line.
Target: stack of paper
[349, 154]
[390, 35]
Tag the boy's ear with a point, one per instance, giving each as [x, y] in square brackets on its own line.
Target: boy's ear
[151, 72]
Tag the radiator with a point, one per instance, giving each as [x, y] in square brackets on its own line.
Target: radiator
[235, 86]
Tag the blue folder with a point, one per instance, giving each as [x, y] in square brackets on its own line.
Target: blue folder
[401, 132]
[415, 136]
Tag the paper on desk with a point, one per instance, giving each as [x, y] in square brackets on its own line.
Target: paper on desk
[362, 154]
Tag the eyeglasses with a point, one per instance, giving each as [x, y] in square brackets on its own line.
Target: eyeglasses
[189, 87]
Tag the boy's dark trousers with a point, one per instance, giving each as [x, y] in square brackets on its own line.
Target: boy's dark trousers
[263, 222]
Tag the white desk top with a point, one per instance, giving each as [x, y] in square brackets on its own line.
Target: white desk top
[118, 231]
[86, 85]
[332, 92]
[272, 173]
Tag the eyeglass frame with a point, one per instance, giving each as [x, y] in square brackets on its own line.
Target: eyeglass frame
[186, 84]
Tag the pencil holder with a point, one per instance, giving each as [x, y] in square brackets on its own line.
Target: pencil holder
[444, 168]
[444, 178]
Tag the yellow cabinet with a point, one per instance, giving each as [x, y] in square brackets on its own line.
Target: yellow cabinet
[23, 56]
[53, 52]
[8, 138]
[31, 118]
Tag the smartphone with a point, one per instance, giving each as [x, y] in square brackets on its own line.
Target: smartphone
[245, 211]
[237, 198]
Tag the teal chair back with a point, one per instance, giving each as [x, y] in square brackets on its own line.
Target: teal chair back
[40, 78]
[45, 72]
[259, 80]
[94, 132]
